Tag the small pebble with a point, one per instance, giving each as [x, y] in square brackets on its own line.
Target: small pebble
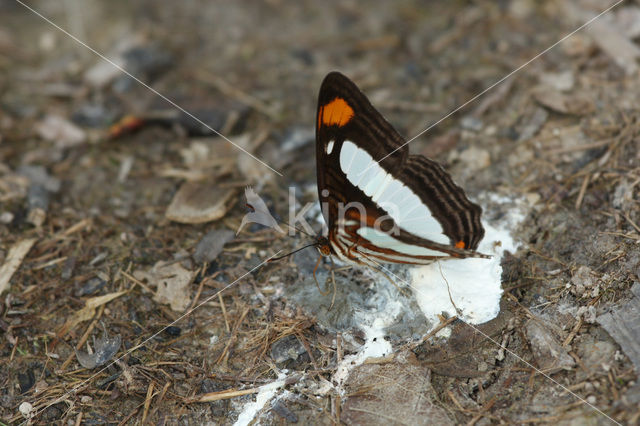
[26, 409]
[172, 330]
[6, 217]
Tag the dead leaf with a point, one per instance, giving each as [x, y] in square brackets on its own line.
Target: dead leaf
[16, 253]
[172, 284]
[88, 311]
[574, 104]
[380, 394]
[199, 203]
[60, 131]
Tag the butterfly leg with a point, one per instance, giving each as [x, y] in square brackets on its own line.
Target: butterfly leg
[333, 279]
[353, 246]
[324, 293]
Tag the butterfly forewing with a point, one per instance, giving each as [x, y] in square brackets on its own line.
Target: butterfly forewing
[411, 210]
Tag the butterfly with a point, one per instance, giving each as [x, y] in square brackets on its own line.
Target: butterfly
[380, 203]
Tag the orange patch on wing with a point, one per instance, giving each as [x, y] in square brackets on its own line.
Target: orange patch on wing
[369, 219]
[460, 244]
[352, 214]
[336, 113]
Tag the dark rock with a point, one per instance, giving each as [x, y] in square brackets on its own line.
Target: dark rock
[68, 267]
[144, 62]
[95, 115]
[172, 330]
[623, 324]
[38, 197]
[53, 412]
[38, 175]
[211, 245]
[304, 55]
[90, 287]
[283, 411]
[103, 384]
[213, 117]
[287, 348]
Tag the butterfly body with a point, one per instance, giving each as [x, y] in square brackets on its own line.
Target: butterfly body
[381, 204]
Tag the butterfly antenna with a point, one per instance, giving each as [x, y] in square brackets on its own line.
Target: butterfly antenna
[273, 259]
[302, 231]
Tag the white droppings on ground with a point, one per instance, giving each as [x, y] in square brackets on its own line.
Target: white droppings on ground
[266, 393]
[373, 324]
[474, 284]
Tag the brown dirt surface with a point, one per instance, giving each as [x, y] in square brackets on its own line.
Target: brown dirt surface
[118, 211]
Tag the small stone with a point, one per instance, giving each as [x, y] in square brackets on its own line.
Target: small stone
[283, 411]
[36, 217]
[172, 330]
[41, 386]
[62, 132]
[532, 198]
[90, 287]
[588, 313]
[146, 62]
[471, 123]
[475, 158]
[533, 124]
[297, 137]
[26, 409]
[287, 348]
[197, 202]
[6, 217]
[562, 81]
[581, 280]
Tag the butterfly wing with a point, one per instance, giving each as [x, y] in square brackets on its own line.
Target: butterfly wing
[362, 162]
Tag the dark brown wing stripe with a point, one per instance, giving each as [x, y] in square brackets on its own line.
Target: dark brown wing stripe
[459, 217]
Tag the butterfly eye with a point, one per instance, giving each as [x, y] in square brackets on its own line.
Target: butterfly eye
[324, 250]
